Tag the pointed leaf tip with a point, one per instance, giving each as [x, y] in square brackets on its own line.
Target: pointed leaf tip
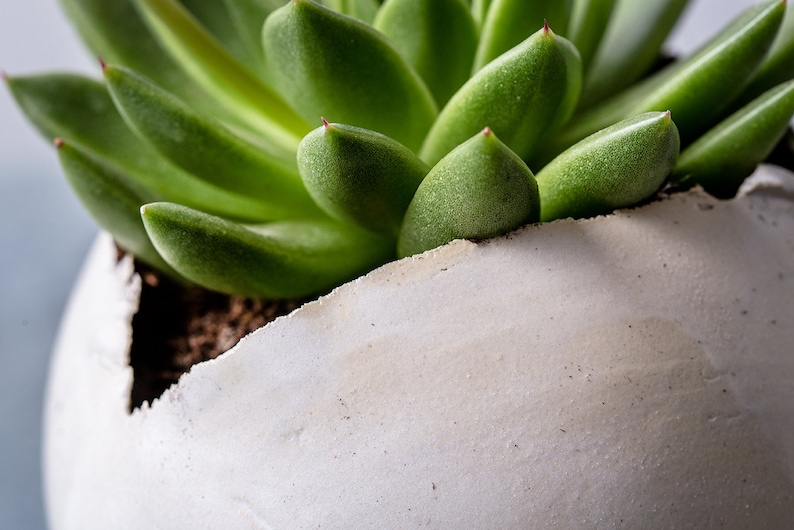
[4, 75]
[102, 63]
[487, 131]
[58, 143]
[546, 27]
[325, 123]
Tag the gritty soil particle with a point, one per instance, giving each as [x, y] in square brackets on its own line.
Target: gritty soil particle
[177, 326]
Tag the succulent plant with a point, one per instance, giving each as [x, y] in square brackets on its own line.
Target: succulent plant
[198, 149]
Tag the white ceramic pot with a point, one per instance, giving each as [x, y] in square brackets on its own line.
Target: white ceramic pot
[634, 370]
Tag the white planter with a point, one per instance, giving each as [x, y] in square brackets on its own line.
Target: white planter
[634, 370]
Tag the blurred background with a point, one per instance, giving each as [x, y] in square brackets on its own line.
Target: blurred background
[44, 234]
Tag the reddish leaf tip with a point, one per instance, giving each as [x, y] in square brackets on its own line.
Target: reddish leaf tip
[4, 75]
[58, 143]
[546, 28]
[487, 131]
[101, 63]
[325, 123]
[668, 114]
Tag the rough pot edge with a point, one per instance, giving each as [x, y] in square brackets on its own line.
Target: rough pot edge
[331, 386]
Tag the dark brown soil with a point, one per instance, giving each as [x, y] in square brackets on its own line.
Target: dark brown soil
[177, 327]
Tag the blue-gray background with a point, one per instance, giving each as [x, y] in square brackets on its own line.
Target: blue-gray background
[44, 235]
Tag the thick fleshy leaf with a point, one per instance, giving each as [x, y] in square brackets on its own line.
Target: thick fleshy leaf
[80, 109]
[436, 37]
[722, 158]
[248, 17]
[614, 168]
[481, 189]
[778, 66]
[111, 198]
[331, 65]
[589, 19]
[522, 96]
[217, 20]
[509, 22]
[287, 259]
[360, 176]
[207, 149]
[479, 10]
[632, 42]
[114, 31]
[697, 90]
[216, 71]
[364, 10]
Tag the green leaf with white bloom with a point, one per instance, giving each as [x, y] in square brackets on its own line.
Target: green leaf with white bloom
[364, 10]
[360, 176]
[722, 158]
[589, 19]
[111, 198]
[778, 66]
[79, 108]
[286, 259]
[328, 64]
[207, 149]
[220, 74]
[437, 37]
[696, 90]
[522, 96]
[634, 37]
[481, 189]
[509, 22]
[614, 168]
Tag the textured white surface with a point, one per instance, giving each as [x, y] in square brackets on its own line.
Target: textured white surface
[634, 370]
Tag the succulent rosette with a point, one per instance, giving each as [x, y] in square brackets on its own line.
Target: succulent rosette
[277, 149]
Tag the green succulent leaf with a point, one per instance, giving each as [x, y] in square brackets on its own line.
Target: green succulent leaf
[114, 31]
[479, 190]
[328, 64]
[216, 18]
[698, 89]
[589, 19]
[479, 10]
[111, 198]
[364, 10]
[207, 149]
[437, 37]
[360, 176]
[707, 83]
[79, 108]
[522, 96]
[72, 106]
[248, 17]
[722, 158]
[204, 117]
[778, 66]
[632, 42]
[216, 71]
[509, 22]
[614, 168]
[286, 259]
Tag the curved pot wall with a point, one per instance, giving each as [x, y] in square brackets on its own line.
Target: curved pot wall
[635, 369]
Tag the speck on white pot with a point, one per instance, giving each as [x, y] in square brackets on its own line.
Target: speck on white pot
[634, 370]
